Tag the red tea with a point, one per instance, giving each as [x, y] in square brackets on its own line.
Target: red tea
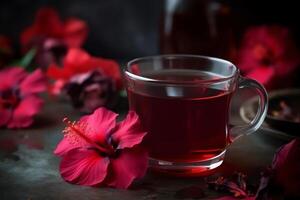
[183, 125]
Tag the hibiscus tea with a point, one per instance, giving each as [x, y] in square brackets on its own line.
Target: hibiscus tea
[183, 125]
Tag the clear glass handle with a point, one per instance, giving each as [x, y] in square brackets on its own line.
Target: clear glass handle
[237, 131]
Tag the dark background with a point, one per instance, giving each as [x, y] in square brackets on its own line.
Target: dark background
[124, 29]
[118, 28]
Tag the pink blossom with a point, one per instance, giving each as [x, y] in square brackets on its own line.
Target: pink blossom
[269, 55]
[97, 150]
[19, 100]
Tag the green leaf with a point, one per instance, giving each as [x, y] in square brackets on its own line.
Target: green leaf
[26, 60]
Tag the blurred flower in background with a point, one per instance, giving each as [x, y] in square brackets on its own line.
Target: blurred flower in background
[51, 37]
[89, 81]
[91, 90]
[269, 55]
[19, 100]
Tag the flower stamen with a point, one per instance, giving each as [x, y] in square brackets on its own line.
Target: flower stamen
[73, 126]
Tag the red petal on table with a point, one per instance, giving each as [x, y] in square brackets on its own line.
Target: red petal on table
[131, 164]
[10, 77]
[128, 132]
[286, 165]
[262, 74]
[84, 167]
[34, 83]
[282, 154]
[23, 114]
[5, 116]
[100, 124]
[75, 32]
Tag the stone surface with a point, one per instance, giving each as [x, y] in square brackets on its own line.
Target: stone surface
[29, 170]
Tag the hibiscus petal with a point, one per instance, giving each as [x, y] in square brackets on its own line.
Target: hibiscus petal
[56, 72]
[130, 165]
[286, 166]
[57, 87]
[99, 124]
[128, 133]
[5, 115]
[64, 147]
[76, 31]
[47, 24]
[76, 59]
[23, 114]
[34, 83]
[84, 167]
[10, 77]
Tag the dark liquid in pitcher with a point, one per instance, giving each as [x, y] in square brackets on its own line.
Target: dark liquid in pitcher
[183, 125]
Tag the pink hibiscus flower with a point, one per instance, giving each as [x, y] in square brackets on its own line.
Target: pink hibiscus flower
[268, 54]
[19, 100]
[98, 151]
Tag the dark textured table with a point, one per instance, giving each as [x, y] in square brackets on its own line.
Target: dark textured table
[29, 170]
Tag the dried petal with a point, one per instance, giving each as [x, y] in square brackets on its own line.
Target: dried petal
[235, 184]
